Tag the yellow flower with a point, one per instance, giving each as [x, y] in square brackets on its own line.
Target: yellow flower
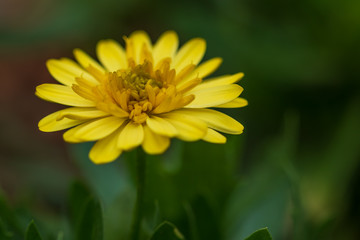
[143, 95]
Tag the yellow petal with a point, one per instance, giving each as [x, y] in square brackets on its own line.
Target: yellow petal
[236, 103]
[52, 123]
[154, 143]
[131, 136]
[86, 61]
[214, 137]
[111, 55]
[78, 113]
[139, 39]
[214, 96]
[105, 150]
[189, 85]
[219, 81]
[166, 46]
[65, 71]
[93, 130]
[189, 127]
[161, 126]
[216, 120]
[191, 53]
[203, 70]
[184, 73]
[62, 94]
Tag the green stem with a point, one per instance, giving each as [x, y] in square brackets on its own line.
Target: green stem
[138, 211]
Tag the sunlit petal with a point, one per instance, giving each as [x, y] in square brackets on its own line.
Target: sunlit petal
[62, 94]
[111, 55]
[191, 53]
[154, 143]
[106, 150]
[131, 136]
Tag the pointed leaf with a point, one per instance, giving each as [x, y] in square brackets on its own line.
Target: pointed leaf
[167, 231]
[90, 225]
[32, 232]
[79, 194]
[261, 234]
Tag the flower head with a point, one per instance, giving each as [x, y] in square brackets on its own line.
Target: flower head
[143, 95]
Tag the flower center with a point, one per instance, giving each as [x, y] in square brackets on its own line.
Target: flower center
[136, 92]
[136, 80]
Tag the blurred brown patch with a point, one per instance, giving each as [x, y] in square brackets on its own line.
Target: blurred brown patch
[21, 143]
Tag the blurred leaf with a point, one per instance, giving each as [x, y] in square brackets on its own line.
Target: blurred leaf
[261, 234]
[261, 201]
[79, 194]
[192, 221]
[203, 222]
[207, 170]
[191, 182]
[262, 198]
[90, 225]
[111, 183]
[322, 193]
[32, 232]
[85, 213]
[99, 176]
[60, 236]
[8, 219]
[4, 233]
[117, 216]
[152, 219]
[167, 231]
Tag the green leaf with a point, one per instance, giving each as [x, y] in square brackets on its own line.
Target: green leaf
[90, 225]
[79, 194]
[203, 220]
[32, 232]
[167, 231]
[85, 213]
[4, 233]
[8, 219]
[60, 236]
[261, 234]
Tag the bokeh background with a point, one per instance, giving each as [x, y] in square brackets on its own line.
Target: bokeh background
[295, 169]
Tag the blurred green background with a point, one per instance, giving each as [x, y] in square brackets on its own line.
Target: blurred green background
[295, 169]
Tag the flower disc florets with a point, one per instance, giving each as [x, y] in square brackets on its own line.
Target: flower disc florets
[137, 91]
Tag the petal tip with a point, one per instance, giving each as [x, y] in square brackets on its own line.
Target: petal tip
[201, 42]
[50, 62]
[218, 59]
[98, 160]
[239, 130]
[138, 33]
[77, 51]
[239, 75]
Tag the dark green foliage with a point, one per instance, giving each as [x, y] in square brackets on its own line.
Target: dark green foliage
[167, 231]
[90, 225]
[10, 226]
[32, 232]
[261, 234]
[4, 233]
[85, 213]
[79, 195]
